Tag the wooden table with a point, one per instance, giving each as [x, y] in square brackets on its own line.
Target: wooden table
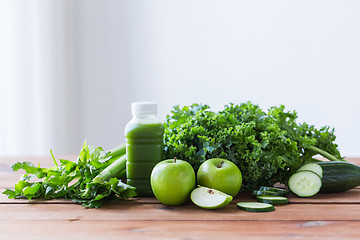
[330, 216]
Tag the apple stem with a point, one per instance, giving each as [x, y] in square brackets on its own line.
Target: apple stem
[174, 159]
[220, 164]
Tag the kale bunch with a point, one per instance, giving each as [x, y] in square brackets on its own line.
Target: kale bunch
[267, 146]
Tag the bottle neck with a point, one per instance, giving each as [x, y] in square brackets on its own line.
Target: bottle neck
[145, 118]
[141, 115]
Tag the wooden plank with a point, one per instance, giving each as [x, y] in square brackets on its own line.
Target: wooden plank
[127, 210]
[351, 196]
[354, 160]
[8, 178]
[108, 229]
[5, 200]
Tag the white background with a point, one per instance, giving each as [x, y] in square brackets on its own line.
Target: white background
[69, 70]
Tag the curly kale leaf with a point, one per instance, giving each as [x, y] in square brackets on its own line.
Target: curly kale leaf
[311, 140]
[267, 147]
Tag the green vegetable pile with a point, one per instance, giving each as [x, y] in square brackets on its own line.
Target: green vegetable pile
[87, 181]
[267, 146]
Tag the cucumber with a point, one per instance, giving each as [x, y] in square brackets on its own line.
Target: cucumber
[275, 200]
[265, 193]
[282, 192]
[305, 183]
[339, 176]
[255, 207]
[314, 167]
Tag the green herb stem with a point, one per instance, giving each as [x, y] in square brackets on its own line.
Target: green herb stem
[52, 155]
[118, 151]
[325, 154]
[112, 170]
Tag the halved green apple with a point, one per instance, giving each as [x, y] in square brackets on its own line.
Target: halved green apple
[209, 198]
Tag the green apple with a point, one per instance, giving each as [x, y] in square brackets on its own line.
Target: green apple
[220, 174]
[210, 198]
[172, 181]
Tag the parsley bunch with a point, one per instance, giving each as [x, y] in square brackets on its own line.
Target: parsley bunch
[72, 180]
[267, 146]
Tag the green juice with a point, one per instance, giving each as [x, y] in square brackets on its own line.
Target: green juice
[144, 149]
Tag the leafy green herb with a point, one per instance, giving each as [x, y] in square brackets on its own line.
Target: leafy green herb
[72, 180]
[267, 146]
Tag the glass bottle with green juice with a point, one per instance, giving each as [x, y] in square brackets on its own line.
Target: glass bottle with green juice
[144, 146]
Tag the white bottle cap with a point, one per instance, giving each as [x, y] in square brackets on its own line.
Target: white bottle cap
[143, 108]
